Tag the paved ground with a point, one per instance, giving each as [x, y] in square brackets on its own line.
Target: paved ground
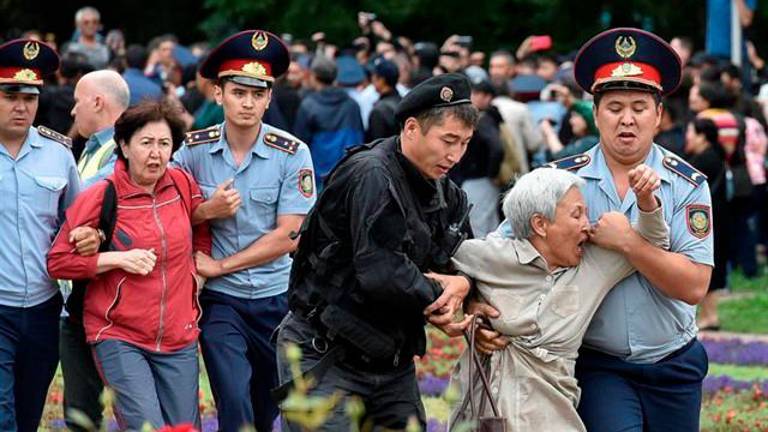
[721, 335]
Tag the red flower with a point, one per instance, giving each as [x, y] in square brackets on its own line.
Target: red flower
[184, 427]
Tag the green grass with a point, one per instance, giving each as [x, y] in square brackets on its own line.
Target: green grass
[745, 315]
[742, 373]
[740, 284]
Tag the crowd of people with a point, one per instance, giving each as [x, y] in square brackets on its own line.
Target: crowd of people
[200, 166]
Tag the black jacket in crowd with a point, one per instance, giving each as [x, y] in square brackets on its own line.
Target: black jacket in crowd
[485, 150]
[711, 162]
[377, 227]
[382, 123]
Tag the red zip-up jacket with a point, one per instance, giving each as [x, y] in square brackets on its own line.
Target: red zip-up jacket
[159, 311]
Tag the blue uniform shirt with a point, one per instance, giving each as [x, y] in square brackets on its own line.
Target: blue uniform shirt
[636, 321]
[93, 144]
[36, 188]
[269, 183]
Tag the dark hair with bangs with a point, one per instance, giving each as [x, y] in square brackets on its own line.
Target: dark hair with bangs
[466, 113]
[136, 117]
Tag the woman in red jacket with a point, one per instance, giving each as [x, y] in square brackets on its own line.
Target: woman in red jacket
[141, 311]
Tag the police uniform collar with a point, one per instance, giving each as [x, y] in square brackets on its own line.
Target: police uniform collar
[260, 149]
[33, 141]
[221, 143]
[598, 167]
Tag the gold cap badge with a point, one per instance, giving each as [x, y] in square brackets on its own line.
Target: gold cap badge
[259, 40]
[626, 70]
[254, 68]
[25, 75]
[31, 50]
[625, 46]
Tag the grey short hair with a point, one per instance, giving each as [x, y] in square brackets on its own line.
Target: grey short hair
[112, 85]
[537, 192]
[83, 10]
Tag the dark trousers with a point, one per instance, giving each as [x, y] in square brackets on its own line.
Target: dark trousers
[390, 397]
[82, 384]
[29, 352]
[240, 357]
[660, 397]
[742, 235]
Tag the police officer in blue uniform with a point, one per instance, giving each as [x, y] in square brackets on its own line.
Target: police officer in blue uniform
[641, 367]
[259, 184]
[38, 181]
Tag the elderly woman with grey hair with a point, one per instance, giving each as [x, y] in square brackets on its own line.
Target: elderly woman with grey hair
[547, 282]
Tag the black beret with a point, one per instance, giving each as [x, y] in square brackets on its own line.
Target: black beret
[440, 91]
[627, 59]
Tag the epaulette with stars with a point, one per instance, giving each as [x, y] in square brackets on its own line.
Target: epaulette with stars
[55, 136]
[684, 170]
[571, 163]
[202, 136]
[281, 143]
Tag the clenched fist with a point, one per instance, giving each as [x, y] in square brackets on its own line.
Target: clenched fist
[612, 231]
[644, 181]
[137, 261]
[224, 202]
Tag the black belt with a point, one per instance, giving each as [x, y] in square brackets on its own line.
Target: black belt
[352, 355]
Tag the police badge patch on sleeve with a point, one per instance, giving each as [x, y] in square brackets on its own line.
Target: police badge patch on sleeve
[699, 220]
[306, 182]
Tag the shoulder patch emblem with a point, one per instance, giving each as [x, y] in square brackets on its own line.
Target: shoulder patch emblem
[202, 136]
[281, 143]
[306, 182]
[55, 136]
[698, 220]
[571, 163]
[684, 170]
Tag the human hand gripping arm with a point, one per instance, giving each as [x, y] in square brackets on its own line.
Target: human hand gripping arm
[268, 247]
[224, 203]
[613, 231]
[673, 273]
[441, 313]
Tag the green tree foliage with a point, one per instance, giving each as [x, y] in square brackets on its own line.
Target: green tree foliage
[493, 23]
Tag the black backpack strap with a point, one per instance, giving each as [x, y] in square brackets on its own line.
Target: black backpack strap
[108, 215]
[107, 219]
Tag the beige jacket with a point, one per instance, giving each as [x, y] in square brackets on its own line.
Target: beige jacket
[545, 315]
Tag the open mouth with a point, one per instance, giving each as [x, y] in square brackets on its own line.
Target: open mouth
[626, 135]
[580, 245]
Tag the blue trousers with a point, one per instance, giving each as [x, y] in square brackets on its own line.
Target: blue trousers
[158, 388]
[621, 396]
[240, 357]
[29, 352]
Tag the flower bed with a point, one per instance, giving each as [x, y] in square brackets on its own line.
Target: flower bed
[730, 403]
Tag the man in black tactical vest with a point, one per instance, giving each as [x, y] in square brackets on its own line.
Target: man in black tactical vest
[373, 262]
